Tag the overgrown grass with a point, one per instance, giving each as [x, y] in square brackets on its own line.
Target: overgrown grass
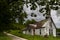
[30, 37]
[4, 37]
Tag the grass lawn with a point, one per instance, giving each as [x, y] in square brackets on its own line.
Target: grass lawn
[4, 37]
[30, 37]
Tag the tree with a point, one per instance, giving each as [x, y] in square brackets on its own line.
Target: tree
[49, 4]
[17, 11]
[4, 15]
[9, 10]
[30, 22]
[33, 15]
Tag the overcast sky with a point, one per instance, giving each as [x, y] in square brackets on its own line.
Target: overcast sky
[55, 14]
[56, 17]
[28, 11]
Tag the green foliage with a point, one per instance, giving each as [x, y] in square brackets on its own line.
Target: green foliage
[21, 17]
[47, 3]
[4, 37]
[41, 10]
[30, 22]
[12, 9]
[33, 6]
[4, 15]
[34, 37]
[18, 26]
[9, 11]
[17, 11]
[58, 30]
[42, 3]
[33, 15]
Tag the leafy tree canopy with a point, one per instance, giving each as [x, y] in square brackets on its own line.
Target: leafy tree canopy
[9, 10]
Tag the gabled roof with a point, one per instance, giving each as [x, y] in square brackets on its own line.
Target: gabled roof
[39, 25]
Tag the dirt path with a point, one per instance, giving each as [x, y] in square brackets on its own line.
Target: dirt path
[14, 37]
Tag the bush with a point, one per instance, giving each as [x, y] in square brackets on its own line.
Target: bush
[30, 22]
